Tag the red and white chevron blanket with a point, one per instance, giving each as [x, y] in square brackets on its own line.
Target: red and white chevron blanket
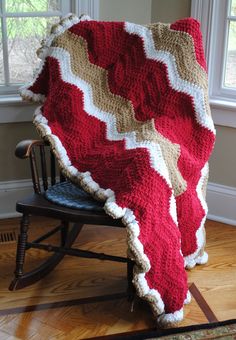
[125, 109]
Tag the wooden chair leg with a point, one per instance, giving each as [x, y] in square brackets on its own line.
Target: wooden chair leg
[131, 289]
[21, 279]
[21, 246]
[64, 232]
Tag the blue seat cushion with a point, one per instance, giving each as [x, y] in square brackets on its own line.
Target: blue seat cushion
[69, 195]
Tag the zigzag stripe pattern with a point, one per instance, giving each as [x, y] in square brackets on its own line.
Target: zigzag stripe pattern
[186, 36]
[181, 46]
[156, 160]
[125, 116]
[177, 83]
[156, 157]
[203, 118]
[133, 128]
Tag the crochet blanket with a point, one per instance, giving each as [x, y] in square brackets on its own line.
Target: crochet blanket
[125, 109]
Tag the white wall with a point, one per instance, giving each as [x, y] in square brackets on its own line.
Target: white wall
[138, 11]
[170, 10]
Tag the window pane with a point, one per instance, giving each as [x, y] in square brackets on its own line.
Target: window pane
[233, 7]
[24, 38]
[1, 58]
[230, 74]
[32, 5]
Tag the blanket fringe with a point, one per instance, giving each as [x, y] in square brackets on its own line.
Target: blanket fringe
[166, 320]
[191, 263]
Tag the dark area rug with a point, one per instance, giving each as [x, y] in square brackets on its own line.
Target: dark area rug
[217, 330]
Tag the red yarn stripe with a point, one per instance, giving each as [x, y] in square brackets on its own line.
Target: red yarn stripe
[128, 172]
[145, 83]
[41, 83]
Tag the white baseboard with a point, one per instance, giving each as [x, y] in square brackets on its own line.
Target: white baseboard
[221, 200]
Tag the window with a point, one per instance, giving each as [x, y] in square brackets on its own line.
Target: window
[218, 23]
[230, 60]
[24, 23]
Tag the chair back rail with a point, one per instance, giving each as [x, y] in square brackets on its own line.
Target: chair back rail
[39, 156]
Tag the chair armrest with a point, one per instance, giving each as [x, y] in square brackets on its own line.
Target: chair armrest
[24, 147]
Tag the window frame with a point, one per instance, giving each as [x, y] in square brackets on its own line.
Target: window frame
[9, 93]
[8, 88]
[230, 92]
[218, 55]
[213, 15]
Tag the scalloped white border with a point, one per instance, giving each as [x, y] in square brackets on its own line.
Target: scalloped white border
[86, 181]
[193, 259]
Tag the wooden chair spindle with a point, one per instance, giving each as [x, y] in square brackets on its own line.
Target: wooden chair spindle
[62, 177]
[43, 167]
[34, 172]
[53, 168]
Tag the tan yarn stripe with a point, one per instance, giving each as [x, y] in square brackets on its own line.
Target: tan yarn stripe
[181, 46]
[117, 105]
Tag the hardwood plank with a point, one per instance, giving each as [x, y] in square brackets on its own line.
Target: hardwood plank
[217, 280]
[5, 336]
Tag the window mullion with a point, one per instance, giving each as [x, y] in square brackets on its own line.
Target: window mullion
[5, 46]
[218, 46]
[75, 6]
[33, 14]
[67, 6]
[225, 49]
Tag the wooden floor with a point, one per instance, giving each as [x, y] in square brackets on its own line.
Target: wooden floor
[53, 309]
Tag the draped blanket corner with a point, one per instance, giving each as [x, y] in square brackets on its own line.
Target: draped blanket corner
[125, 109]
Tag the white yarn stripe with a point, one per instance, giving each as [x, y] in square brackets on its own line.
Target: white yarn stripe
[197, 93]
[156, 160]
[192, 259]
[176, 81]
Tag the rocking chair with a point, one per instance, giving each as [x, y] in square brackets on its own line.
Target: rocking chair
[38, 205]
